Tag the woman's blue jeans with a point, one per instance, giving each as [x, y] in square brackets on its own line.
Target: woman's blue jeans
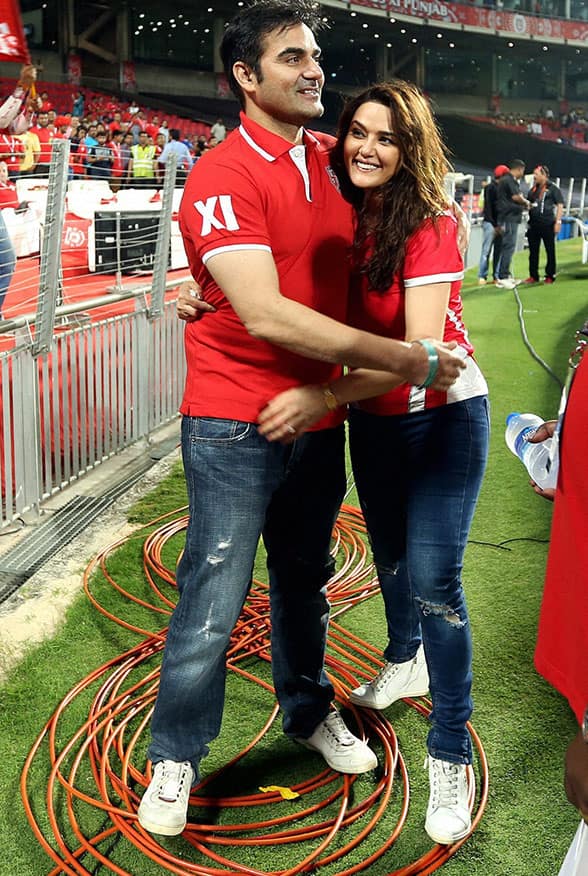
[241, 487]
[418, 477]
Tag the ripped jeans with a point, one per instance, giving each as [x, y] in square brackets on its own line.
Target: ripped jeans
[418, 477]
[241, 487]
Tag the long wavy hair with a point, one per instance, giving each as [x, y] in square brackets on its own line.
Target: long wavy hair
[389, 214]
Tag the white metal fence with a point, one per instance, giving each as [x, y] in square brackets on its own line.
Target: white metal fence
[101, 387]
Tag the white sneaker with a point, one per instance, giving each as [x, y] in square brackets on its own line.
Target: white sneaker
[448, 816]
[393, 682]
[342, 750]
[164, 806]
[507, 282]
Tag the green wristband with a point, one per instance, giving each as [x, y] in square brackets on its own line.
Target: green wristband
[433, 363]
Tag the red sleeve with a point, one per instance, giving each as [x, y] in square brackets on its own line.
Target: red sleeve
[222, 209]
[432, 255]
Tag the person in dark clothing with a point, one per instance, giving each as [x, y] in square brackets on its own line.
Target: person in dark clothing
[509, 207]
[100, 158]
[545, 215]
[492, 239]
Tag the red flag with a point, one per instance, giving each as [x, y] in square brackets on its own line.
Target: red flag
[13, 45]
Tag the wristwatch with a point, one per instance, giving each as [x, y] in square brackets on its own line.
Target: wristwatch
[585, 725]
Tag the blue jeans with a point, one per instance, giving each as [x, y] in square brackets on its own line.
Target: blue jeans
[418, 477]
[240, 487]
[509, 242]
[490, 241]
[7, 261]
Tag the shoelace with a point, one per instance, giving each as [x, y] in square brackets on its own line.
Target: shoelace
[384, 674]
[172, 781]
[445, 783]
[335, 725]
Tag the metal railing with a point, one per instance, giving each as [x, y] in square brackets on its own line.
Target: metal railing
[101, 387]
[76, 388]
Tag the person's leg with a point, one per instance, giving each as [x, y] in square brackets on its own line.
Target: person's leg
[450, 448]
[7, 261]
[548, 237]
[297, 535]
[487, 239]
[534, 238]
[380, 461]
[231, 473]
[509, 240]
[496, 256]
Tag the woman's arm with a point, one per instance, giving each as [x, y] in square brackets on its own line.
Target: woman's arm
[301, 407]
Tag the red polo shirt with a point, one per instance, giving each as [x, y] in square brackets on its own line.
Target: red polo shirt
[432, 256]
[256, 191]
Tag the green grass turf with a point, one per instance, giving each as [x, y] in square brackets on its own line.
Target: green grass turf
[523, 723]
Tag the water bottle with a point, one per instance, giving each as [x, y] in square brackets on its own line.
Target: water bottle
[536, 457]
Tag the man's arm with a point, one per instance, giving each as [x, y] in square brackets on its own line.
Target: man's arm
[250, 282]
[301, 407]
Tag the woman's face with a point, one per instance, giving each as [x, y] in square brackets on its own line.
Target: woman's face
[369, 150]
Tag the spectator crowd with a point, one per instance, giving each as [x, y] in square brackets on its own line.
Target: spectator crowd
[125, 144]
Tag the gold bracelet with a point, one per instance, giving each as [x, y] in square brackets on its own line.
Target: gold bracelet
[329, 397]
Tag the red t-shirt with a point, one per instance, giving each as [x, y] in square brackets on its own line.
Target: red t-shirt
[8, 196]
[432, 256]
[257, 191]
[45, 136]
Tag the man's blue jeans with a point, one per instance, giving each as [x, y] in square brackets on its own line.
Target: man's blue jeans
[490, 241]
[239, 487]
[7, 261]
[509, 243]
[418, 477]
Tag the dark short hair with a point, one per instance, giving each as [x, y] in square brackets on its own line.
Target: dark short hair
[243, 38]
[516, 162]
[542, 168]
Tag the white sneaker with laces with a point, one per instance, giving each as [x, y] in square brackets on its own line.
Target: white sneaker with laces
[448, 816]
[164, 806]
[393, 682]
[342, 750]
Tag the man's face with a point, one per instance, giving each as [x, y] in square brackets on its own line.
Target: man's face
[518, 172]
[43, 120]
[291, 79]
[143, 139]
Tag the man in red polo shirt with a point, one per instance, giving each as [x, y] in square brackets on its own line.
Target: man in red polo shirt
[267, 236]
[45, 135]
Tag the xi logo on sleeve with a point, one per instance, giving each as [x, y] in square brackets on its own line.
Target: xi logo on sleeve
[217, 212]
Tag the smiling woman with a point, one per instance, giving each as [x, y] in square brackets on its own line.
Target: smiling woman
[370, 150]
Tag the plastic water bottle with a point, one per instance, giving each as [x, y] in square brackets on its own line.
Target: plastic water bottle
[536, 457]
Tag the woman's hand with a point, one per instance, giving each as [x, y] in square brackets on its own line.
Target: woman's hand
[542, 433]
[291, 413]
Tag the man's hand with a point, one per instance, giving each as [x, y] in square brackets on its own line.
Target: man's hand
[542, 433]
[190, 305]
[576, 774]
[28, 75]
[450, 364]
